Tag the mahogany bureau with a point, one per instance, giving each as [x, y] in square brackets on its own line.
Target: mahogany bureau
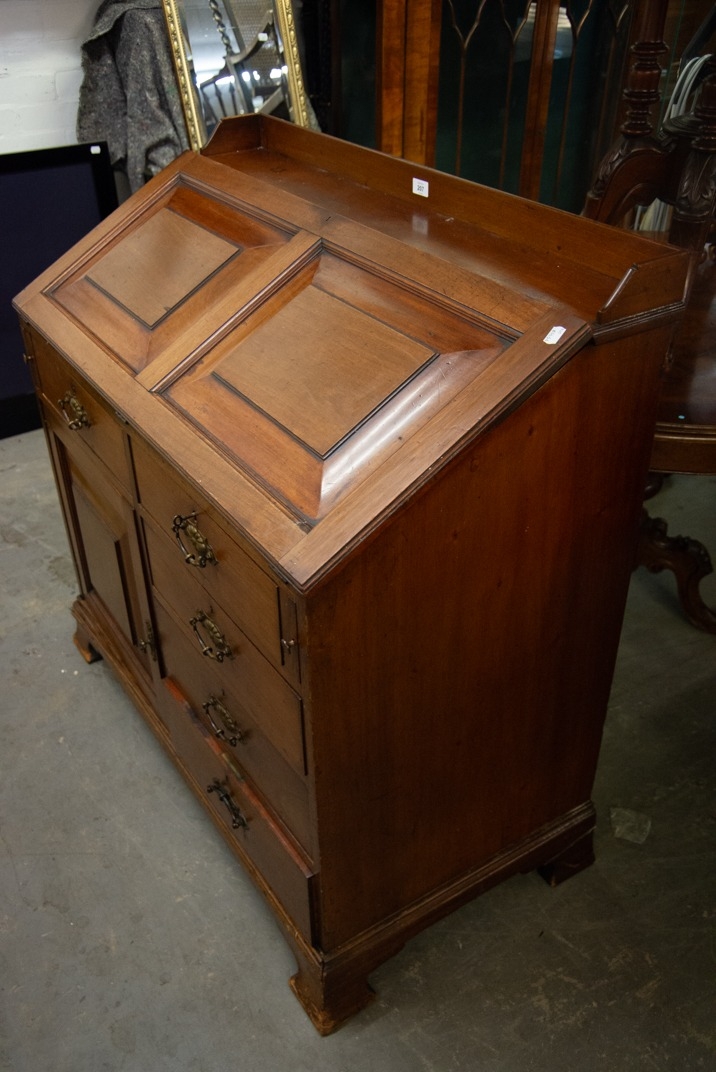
[352, 479]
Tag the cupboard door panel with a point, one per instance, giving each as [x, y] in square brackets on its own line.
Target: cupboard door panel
[104, 543]
[102, 530]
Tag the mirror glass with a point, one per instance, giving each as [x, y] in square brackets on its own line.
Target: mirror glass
[237, 57]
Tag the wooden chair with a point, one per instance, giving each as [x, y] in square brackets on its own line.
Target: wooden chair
[677, 165]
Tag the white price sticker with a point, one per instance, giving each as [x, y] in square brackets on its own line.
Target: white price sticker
[554, 335]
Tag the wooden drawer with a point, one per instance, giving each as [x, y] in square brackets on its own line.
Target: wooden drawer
[241, 670]
[82, 413]
[279, 781]
[266, 851]
[258, 606]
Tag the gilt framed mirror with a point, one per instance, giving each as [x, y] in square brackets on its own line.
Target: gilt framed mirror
[234, 57]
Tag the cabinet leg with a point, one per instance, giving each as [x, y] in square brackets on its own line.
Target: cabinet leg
[570, 861]
[687, 559]
[330, 995]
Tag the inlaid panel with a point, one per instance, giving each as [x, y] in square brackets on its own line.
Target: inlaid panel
[159, 265]
[332, 373]
[320, 367]
[174, 277]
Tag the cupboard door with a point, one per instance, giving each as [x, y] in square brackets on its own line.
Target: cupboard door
[103, 535]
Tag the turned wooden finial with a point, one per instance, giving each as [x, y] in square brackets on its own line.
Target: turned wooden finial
[643, 83]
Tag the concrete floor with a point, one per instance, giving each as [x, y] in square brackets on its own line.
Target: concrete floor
[129, 939]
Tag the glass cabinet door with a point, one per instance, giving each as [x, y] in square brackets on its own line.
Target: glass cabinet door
[522, 96]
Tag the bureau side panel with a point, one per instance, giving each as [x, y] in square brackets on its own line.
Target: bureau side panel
[460, 662]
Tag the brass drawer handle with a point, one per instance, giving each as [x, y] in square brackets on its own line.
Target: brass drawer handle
[73, 411]
[235, 734]
[203, 551]
[238, 819]
[216, 648]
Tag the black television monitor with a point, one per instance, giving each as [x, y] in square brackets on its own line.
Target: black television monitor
[49, 199]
